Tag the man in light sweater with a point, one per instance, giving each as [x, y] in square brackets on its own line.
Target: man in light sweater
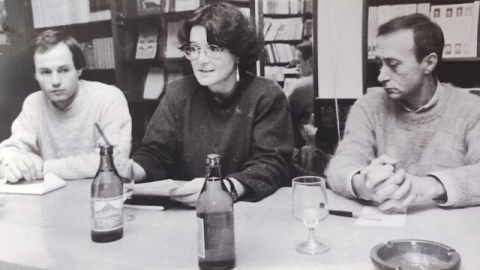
[55, 131]
[416, 140]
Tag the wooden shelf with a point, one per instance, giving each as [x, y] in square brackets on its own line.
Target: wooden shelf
[294, 41]
[463, 59]
[270, 15]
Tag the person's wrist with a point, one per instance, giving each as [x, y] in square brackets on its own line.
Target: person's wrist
[438, 190]
[359, 188]
[232, 190]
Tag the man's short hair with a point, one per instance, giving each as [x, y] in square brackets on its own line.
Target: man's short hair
[306, 48]
[50, 38]
[427, 35]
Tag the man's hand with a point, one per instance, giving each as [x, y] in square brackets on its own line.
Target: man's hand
[188, 193]
[414, 189]
[26, 166]
[379, 170]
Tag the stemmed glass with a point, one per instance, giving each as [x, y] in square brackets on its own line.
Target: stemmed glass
[126, 173]
[309, 205]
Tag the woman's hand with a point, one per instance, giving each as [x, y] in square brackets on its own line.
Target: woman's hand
[188, 193]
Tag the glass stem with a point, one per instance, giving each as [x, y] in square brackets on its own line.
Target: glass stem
[311, 234]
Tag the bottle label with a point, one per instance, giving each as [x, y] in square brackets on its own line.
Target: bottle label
[107, 214]
[216, 240]
[201, 238]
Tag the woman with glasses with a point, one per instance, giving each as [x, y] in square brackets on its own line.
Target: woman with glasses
[222, 109]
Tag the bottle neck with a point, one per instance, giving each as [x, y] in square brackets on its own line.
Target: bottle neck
[106, 162]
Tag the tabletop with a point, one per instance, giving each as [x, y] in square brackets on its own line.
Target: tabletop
[52, 231]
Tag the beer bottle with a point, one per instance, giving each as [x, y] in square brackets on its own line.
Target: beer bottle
[216, 240]
[107, 200]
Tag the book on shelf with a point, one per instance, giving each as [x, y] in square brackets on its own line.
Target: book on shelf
[184, 5]
[49, 13]
[99, 53]
[147, 43]
[172, 46]
[424, 8]
[372, 31]
[100, 10]
[308, 28]
[152, 6]
[154, 83]
[283, 29]
[459, 23]
[279, 53]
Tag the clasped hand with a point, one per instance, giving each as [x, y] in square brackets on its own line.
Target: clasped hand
[391, 188]
[25, 166]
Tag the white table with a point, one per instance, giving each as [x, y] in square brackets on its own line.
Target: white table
[53, 232]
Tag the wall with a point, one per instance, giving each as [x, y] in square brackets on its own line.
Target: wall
[339, 49]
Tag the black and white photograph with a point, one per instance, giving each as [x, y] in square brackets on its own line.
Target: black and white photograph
[239, 134]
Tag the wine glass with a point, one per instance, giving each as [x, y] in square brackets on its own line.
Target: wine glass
[309, 205]
[126, 173]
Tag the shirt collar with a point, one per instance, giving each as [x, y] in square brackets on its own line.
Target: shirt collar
[430, 104]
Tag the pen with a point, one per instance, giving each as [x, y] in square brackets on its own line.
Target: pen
[355, 215]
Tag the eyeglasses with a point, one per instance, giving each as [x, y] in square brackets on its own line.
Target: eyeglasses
[211, 51]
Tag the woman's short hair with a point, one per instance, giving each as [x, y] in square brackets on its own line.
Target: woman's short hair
[50, 38]
[427, 35]
[227, 28]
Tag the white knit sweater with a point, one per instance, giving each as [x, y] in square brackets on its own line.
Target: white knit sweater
[67, 139]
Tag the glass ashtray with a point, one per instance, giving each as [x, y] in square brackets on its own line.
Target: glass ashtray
[413, 254]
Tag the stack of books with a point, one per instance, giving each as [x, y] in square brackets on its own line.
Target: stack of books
[99, 53]
[459, 23]
[285, 6]
[381, 14]
[279, 53]
[283, 29]
[49, 13]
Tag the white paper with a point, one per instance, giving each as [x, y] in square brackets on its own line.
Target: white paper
[50, 183]
[157, 188]
[390, 218]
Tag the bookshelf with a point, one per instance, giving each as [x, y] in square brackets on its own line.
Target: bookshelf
[78, 20]
[282, 25]
[459, 71]
[134, 75]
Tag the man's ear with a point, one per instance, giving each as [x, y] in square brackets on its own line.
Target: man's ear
[430, 62]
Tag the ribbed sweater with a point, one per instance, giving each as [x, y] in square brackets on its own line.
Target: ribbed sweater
[443, 141]
[67, 139]
[251, 130]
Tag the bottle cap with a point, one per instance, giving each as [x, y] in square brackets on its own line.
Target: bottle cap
[212, 160]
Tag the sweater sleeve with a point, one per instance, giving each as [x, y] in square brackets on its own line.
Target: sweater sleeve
[159, 146]
[116, 123]
[354, 152]
[462, 184]
[272, 149]
[25, 132]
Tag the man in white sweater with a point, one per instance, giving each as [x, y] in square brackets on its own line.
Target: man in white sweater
[55, 131]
